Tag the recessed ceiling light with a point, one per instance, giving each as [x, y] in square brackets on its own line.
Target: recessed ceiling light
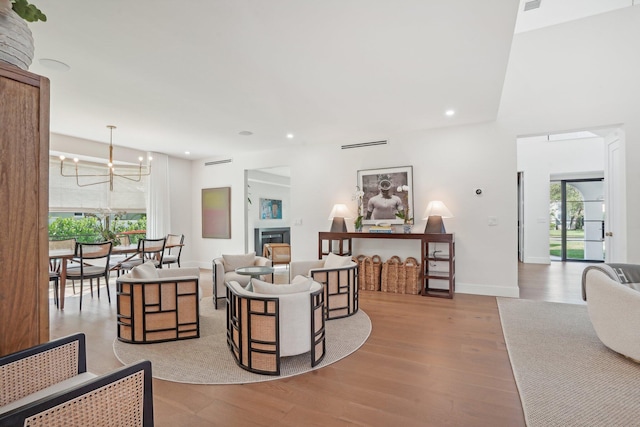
[187, 152]
[52, 64]
[290, 135]
[449, 113]
[245, 133]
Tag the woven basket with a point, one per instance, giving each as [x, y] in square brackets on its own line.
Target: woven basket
[375, 267]
[392, 274]
[412, 276]
[369, 272]
[360, 260]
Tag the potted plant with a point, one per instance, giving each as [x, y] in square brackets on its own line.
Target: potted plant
[23, 9]
[17, 46]
[407, 220]
[359, 194]
[358, 223]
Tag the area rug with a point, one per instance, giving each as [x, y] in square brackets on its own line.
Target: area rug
[565, 375]
[207, 360]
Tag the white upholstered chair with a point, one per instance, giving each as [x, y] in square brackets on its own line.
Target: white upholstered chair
[339, 277]
[612, 292]
[224, 270]
[275, 321]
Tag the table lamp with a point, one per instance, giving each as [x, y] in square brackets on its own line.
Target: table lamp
[436, 210]
[338, 214]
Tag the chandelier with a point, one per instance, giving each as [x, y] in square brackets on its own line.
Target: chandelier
[132, 173]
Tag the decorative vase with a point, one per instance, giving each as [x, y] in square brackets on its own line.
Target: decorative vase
[16, 41]
[406, 228]
[358, 229]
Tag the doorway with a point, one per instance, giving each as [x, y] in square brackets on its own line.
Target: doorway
[577, 216]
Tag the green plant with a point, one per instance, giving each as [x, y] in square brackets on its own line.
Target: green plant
[28, 12]
[358, 222]
[405, 216]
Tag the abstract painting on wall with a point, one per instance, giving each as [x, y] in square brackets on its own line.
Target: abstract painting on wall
[216, 213]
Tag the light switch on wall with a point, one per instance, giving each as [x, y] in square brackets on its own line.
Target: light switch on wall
[493, 220]
[297, 221]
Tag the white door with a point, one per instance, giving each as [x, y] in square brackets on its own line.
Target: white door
[615, 200]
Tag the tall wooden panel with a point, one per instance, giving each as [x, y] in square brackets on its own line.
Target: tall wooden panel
[24, 205]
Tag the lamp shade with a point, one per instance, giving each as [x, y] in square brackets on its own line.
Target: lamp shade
[338, 214]
[340, 211]
[437, 208]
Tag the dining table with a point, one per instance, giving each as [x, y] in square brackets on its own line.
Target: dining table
[64, 255]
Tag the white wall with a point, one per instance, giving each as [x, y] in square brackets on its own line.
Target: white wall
[539, 160]
[581, 75]
[182, 203]
[448, 164]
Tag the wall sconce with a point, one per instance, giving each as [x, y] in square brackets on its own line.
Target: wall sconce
[338, 214]
[436, 210]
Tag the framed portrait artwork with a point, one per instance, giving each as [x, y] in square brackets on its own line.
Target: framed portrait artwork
[386, 191]
[270, 209]
[216, 213]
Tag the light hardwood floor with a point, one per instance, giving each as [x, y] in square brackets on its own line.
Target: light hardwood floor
[428, 362]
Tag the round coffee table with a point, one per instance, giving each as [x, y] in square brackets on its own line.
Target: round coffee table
[254, 271]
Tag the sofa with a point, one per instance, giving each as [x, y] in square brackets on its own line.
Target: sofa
[48, 384]
[266, 322]
[157, 305]
[339, 277]
[613, 303]
[224, 270]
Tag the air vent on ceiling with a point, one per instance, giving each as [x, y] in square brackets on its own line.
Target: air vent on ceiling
[533, 4]
[218, 162]
[364, 144]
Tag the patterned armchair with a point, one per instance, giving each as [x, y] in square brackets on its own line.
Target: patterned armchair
[275, 321]
[48, 384]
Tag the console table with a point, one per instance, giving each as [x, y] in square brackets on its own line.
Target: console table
[427, 257]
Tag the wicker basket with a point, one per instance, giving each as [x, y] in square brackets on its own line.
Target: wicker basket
[373, 280]
[360, 260]
[392, 274]
[412, 276]
[369, 272]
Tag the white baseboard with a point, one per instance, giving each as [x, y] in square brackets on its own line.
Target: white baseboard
[489, 290]
[537, 260]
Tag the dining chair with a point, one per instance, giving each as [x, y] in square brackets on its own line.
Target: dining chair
[93, 263]
[173, 249]
[56, 263]
[116, 260]
[148, 250]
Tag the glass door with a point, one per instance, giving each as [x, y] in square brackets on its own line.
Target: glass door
[577, 220]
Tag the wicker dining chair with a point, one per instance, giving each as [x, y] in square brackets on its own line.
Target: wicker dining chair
[93, 260]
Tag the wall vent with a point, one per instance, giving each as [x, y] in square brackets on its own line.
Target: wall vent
[364, 144]
[218, 162]
[533, 4]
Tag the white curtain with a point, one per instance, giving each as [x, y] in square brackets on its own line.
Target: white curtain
[158, 207]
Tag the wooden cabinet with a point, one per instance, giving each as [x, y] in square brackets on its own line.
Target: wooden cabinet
[437, 255]
[24, 206]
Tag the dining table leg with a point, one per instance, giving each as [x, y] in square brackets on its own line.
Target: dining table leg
[63, 283]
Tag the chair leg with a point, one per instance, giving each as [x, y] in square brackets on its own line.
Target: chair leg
[90, 287]
[98, 286]
[108, 292]
[81, 283]
[55, 292]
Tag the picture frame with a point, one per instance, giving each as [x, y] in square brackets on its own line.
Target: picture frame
[216, 213]
[270, 209]
[400, 177]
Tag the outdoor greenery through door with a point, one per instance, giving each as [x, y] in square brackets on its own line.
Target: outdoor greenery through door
[576, 212]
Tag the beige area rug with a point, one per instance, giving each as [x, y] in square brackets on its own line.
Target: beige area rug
[207, 360]
[565, 375]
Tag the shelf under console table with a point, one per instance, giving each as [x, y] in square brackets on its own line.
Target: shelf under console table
[432, 260]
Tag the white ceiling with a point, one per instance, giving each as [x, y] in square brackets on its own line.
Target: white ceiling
[177, 76]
